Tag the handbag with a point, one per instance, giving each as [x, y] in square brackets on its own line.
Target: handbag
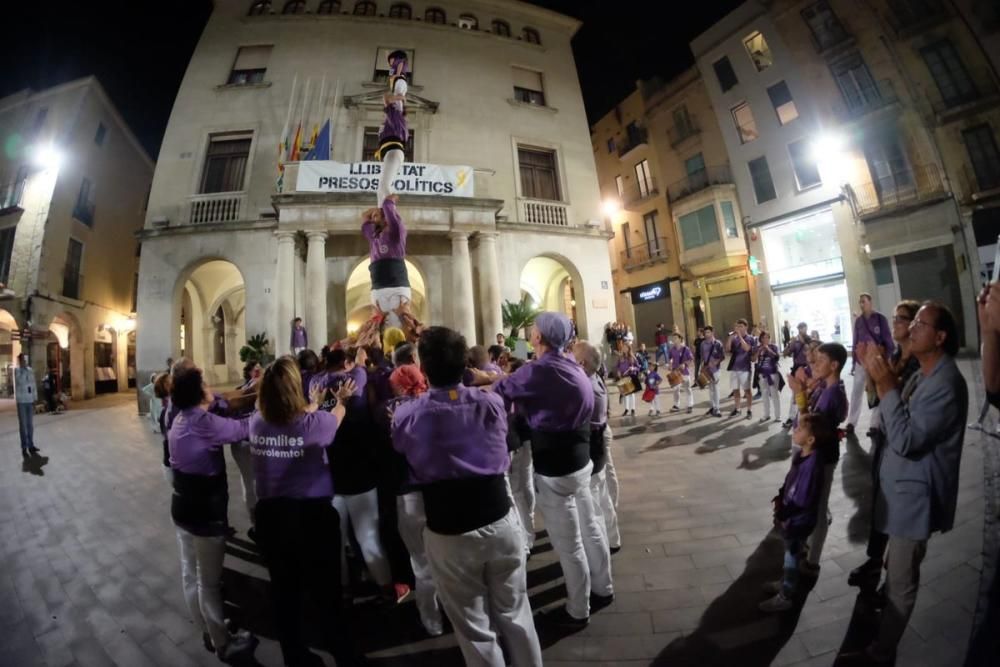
[649, 395]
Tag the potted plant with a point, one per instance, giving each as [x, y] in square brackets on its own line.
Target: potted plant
[518, 315]
[256, 350]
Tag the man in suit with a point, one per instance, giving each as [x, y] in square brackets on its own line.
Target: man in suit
[918, 481]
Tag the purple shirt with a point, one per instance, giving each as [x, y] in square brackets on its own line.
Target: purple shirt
[653, 381]
[768, 363]
[394, 125]
[553, 393]
[390, 243]
[741, 357]
[873, 329]
[196, 439]
[332, 380]
[712, 354]
[801, 495]
[217, 407]
[680, 355]
[800, 353]
[299, 337]
[831, 402]
[452, 433]
[488, 367]
[289, 460]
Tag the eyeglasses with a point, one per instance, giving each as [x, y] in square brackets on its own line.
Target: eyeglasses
[917, 323]
[897, 319]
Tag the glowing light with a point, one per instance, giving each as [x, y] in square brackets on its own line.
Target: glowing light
[828, 152]
[46, 156]
[827, 146]
[611, 207]
[352, 327]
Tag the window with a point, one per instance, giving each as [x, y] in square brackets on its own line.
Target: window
[6, 252]
[83, 210]
[259, 8]
[643, 178]
[329, 7]
[528, 86]
[250, 65]
[538, 173]
[294, 7]
[652, 235]
[784, 105]
[627, 239]
[381, 74]
[805, 167]
[729, 220]
[71, 273]
[369, 145]
[611, 145]
[694, 164]
[101, 133]
[725, 74]
[40, 117]
[890, 170]
[699, 228]
[501, 28]
[912, 12]
[682, 121]
[365, 8]
[219, 337]
[746, 128]
[435, 15]
[759, 52]
[225, 163]
[826, 29]
[468, 22]
[856, 83]
[400, 10]
[531, 36]
[982, 147]
[620, 186]
[763, 186]
[12, 191]
[949, 73]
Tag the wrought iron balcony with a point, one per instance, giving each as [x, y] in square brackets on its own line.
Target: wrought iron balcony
[911, 15]
[902, 189]
[867, 100]
[636, 192]
[698, 181]
[637, 136]
[681, 133]
[651, 251]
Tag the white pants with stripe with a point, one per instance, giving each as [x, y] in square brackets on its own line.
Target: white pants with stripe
[412, 521]
[361, 512]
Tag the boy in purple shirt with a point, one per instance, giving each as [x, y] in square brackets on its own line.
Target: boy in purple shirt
[455, 442]
[872, 327]
[796, 505]
[300, 337]
[394, 133]
[712, 355]
[741, 345]
[652, 393]
[386, 235]
[680, 360]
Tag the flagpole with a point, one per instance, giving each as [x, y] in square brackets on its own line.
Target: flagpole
[331, 115]
[303, 115]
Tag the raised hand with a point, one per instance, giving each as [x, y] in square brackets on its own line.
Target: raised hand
[316, 395]
[346, 390]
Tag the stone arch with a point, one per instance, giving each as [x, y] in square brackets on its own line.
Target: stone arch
[9, 349]
[357, 301]
[70, 358]
[555, 283]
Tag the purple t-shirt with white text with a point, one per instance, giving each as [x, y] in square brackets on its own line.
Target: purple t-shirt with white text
[289, 460]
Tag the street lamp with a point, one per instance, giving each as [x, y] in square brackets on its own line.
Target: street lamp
[827, 150]
[611, 207]
[46, 156]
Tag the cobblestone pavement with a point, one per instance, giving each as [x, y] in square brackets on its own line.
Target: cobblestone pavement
[90, 572]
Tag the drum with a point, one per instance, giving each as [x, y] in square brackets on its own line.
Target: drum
[704, 379]
[675, 377]
[628, 385]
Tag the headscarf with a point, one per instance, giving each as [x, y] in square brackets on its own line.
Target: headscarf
[555, 328]
[408, 381]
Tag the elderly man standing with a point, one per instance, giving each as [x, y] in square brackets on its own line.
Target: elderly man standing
[871, 328]
[918, 481]
[557, 399]
[25, 394]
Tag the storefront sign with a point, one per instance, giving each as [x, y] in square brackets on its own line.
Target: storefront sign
[650, 292]
[413, 179]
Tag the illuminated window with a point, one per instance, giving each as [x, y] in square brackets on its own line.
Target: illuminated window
[759, 52]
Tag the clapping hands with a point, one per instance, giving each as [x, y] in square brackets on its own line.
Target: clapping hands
[988, 304]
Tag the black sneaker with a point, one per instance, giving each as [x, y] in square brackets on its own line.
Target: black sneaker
[866, 573]
[787, 423]
[560, 618]
[710, 413]
[717, 413]
[850, 429]
[25, 455]
[599, 602]
[749, 415]
[675, 409]
[34, 450]
[734, 413]
[615, 550]
[689, 410]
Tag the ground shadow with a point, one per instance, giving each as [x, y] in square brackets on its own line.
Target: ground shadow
[33, 465]
[733, 631]
[732, 436]
[777, 448]
[860, 633]
[856, 476]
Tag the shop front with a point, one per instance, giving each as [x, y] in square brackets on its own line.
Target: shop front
[651, 305]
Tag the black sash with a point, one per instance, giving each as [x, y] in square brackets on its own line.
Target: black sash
[456, 506]
[598, 452]
[199, 504]
[388, 272]
[556, 454]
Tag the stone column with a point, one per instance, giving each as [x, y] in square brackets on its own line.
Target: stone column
[316, 322]
[284, 292]
[489, 287]
[463, 308]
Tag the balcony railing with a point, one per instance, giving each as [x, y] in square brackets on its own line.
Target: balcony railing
[900, 189]
[11, 192]
[72, 283]
[636, 137]
[636, 192]
[905, 15]
[651, 251]
[540, 212]
[830, 36]
[216, 207]
[979, 86]
[698, 181]
[867, 100]
[681, 133]
[984, 185]
[84, 212]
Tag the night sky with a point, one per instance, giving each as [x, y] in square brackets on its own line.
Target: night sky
[139, 49]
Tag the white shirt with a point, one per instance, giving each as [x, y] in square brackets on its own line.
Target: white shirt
[24, 385]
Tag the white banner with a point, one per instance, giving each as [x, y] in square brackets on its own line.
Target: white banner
[412, 179]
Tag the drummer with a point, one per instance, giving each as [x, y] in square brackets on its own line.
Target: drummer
[712, 355]
[679, 378]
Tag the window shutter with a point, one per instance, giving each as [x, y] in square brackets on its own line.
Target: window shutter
[526, 78]
[252, 57]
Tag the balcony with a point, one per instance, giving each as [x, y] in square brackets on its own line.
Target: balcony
[899, 191]
[216, 207]
[910, 16]
[653, 251]
[636, 192]
[542, 212]
[678, 134]
[698, 181]
[977, 92]
[72, 282]
[869, 100]
[981, 187]
[830, 38]
[84, 212]
[637, 136]
[11, 193]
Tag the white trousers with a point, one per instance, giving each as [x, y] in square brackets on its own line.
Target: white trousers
[793, 409]
[771, 396]
[606, 514]
[481, 578]
[655, 403]
[568, 509]
[362, 510]
[388, 299]
[411, 521]
[859, 398]
[630, 401]
[522, 487]
[818, 537]
[609, 467]
[713, 389]
[240, 452]
[390, 167]
[201, 577]
[685, 385]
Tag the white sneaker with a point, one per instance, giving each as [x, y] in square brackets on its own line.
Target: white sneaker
[975, 426]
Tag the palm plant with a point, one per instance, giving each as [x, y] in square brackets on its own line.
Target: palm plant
[518, 315]
[255, 349]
